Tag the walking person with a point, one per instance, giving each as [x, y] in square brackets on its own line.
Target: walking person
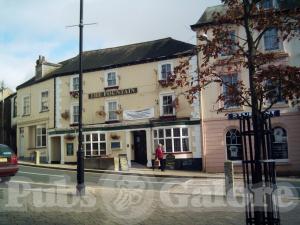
[159, 155]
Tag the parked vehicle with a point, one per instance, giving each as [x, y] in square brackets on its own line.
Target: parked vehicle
[8, 163]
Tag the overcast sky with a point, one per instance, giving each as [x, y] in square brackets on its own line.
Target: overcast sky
[38, 27]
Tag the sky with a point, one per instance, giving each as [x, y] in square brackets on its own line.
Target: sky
[30, 28]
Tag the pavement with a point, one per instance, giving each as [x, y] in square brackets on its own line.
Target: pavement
[136, 171]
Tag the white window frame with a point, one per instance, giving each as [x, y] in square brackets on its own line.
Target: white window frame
[41, 101]
[23, 106]
[41, 135]
[280, 44]
[91, 142]
[226, 55]
[285, 160]
[72, 113]
[172, 137]
[161, 96]
[223, 91]
[107, 109]
[72, 82]
[106, 78]
[238, 161]
[160, 68]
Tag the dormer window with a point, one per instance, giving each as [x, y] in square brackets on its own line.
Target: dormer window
[111, 79]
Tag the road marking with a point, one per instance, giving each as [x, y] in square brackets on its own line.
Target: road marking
[41, 174]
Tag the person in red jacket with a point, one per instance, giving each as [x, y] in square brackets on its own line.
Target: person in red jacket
[159, 154]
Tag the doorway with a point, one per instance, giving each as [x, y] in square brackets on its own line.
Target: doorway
[140, 147]
[21, 143]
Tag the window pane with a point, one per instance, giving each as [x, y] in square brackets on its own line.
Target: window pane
[271, 39]
[177, 145]
[279, 144]
[185, 144]
[168, 145]
[168, 132]
[88, 138]
[95, 137]
[102, 146]
[102, 137]
[160, 133]
[162, 141]
[88, 147]
[95, 146]
[155, 133]
[176, 132]
[185, 132]
[44, 141]
[234, 145]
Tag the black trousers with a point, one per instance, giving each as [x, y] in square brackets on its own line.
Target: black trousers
[162, 164]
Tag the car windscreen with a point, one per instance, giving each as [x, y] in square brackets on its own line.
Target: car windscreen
[5, 151]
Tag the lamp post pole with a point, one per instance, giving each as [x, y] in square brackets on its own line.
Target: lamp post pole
[80, 154]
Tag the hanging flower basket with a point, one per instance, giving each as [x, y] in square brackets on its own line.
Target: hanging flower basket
[168, 82]
[69, 137]
[65, 115]
[114, 137]
[74, 94]
[101, 113]
[119, 111]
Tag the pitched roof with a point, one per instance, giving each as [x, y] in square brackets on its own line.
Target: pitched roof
[208, 15]
[120, 56]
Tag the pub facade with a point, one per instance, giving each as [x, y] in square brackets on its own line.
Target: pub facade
[127, 107]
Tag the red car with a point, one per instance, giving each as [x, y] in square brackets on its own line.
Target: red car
[8, 163]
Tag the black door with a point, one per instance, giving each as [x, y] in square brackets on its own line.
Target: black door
[140, 147]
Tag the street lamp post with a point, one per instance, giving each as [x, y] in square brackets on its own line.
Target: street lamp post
[80, 154]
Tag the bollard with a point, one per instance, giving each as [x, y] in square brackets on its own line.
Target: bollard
[229, 178]
[37, 157]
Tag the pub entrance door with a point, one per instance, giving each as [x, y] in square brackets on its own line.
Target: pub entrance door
[140, 147]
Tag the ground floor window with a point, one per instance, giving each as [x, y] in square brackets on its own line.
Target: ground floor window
[41, 136]
[94, 144]
[70, 149]
[173, 139]
[234, 145]
[279, 144]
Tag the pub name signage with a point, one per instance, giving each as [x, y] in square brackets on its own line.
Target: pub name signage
[127, 91]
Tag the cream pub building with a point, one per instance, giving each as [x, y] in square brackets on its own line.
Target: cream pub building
[127, 109]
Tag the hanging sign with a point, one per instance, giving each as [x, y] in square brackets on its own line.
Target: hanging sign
[138, 114]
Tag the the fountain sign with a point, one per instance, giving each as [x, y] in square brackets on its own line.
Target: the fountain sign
[111, 93]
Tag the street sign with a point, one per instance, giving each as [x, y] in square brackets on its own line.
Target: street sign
[236, 116]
